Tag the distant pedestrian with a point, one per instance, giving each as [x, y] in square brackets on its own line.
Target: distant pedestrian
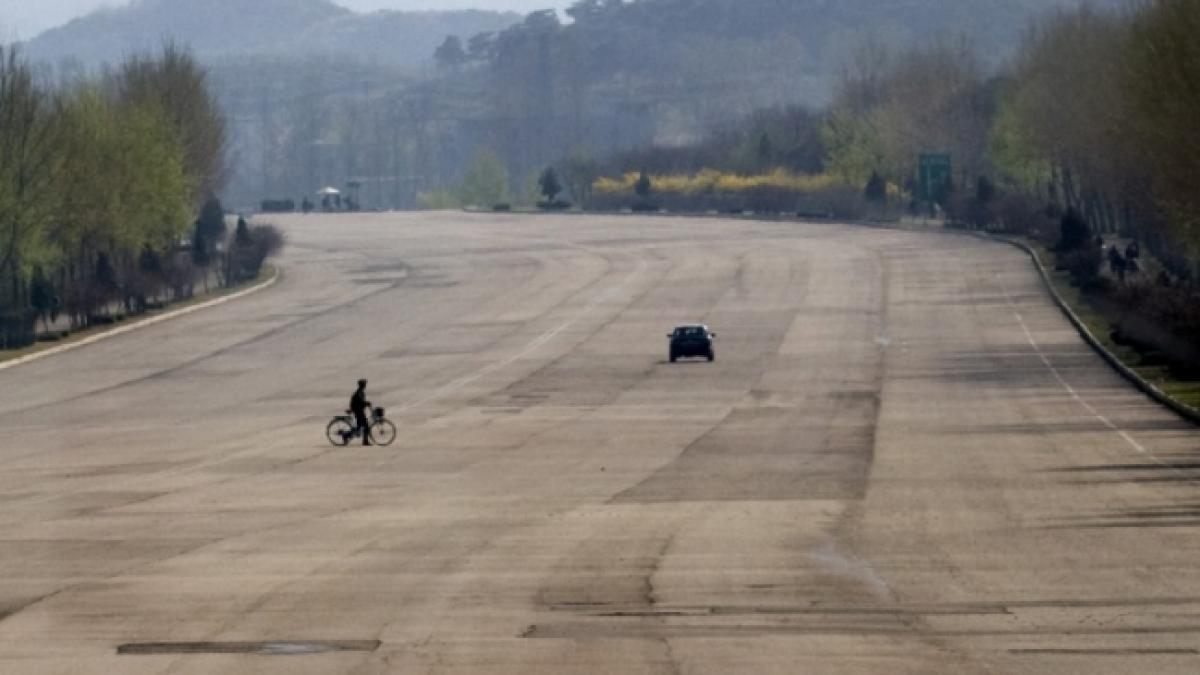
[241, 234]
[1117, 263]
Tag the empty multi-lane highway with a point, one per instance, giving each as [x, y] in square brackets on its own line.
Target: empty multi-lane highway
[904, 460]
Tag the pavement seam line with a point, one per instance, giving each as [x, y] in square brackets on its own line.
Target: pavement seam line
[533, 346]
[139, 324]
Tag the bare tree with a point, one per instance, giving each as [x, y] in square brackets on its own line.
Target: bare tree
[176, 81]
[27, 167]
[1068, 104]
[1163, 79]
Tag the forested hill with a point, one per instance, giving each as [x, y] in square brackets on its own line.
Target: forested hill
[825, 28]
[215, 29]
[623, 73]
[616, 75]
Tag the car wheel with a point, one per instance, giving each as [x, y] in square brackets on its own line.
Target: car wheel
[711, 357]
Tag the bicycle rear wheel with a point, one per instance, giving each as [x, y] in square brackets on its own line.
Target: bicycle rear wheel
[339, 430]
[383, 432]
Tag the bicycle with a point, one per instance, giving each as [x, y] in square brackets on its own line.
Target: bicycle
[343, 428]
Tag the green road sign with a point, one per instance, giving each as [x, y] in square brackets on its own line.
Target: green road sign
[934, 178]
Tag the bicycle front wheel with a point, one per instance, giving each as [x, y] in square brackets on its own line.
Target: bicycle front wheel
[339, 430]
[383, 432]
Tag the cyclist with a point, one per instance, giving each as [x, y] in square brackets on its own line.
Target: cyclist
[359, 405]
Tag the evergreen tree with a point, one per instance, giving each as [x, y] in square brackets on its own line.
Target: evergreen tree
[450, 54]
[1074, 233]
[549, 184]
[766, 152]
[200, 251]
[644, 186]
[211, 222]
[42, 297]
[242, 233]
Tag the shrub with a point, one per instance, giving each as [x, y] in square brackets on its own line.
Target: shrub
[550, 185]
[978, 209]
[246, 254]
[1074, 233]
[241, 234]
[643, 187]
[439, 200]
[43, 298]
[779, 191]
[876, 189]
[1162, 318]
[1019, 214]
[179, 274]
[211, 223]
[1083, 264]
[16, 329]
[282, 206]
[767, 199]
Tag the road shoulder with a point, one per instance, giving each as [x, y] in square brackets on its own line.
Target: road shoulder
[1125, 370]
[98, 334]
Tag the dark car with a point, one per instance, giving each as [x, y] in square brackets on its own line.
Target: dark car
[694, 340]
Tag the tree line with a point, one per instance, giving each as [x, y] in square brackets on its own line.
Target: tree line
[617, 76]
[1089, 135]
[1097, 114]
[101, 180]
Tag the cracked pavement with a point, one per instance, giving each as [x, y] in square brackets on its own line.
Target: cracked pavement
[903, 460]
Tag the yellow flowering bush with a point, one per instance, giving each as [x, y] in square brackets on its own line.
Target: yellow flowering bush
[711, 180]
[826, 195]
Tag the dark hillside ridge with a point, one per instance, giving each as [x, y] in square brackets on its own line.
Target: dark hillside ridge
[827, 28]
[666, 72]
[216, 29]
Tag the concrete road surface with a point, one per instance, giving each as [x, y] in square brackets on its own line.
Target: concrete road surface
[903, 461]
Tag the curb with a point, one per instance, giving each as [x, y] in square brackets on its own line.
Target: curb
[1182, 409]
[142, 323]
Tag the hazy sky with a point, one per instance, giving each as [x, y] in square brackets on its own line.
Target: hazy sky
[23, 19]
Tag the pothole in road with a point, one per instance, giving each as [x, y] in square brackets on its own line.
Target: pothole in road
[272, 648]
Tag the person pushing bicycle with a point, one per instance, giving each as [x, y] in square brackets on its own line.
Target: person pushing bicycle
[364, 419]
[359, 405]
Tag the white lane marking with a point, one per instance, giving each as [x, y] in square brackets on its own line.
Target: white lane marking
[538, 342]
[1129, 440]
[1074, 394]
[138, 325]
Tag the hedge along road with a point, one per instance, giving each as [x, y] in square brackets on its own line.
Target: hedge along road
[99, 333]
[903, 460]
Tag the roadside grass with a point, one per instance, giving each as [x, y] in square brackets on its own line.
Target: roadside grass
[266, 272]
[1100, 320]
